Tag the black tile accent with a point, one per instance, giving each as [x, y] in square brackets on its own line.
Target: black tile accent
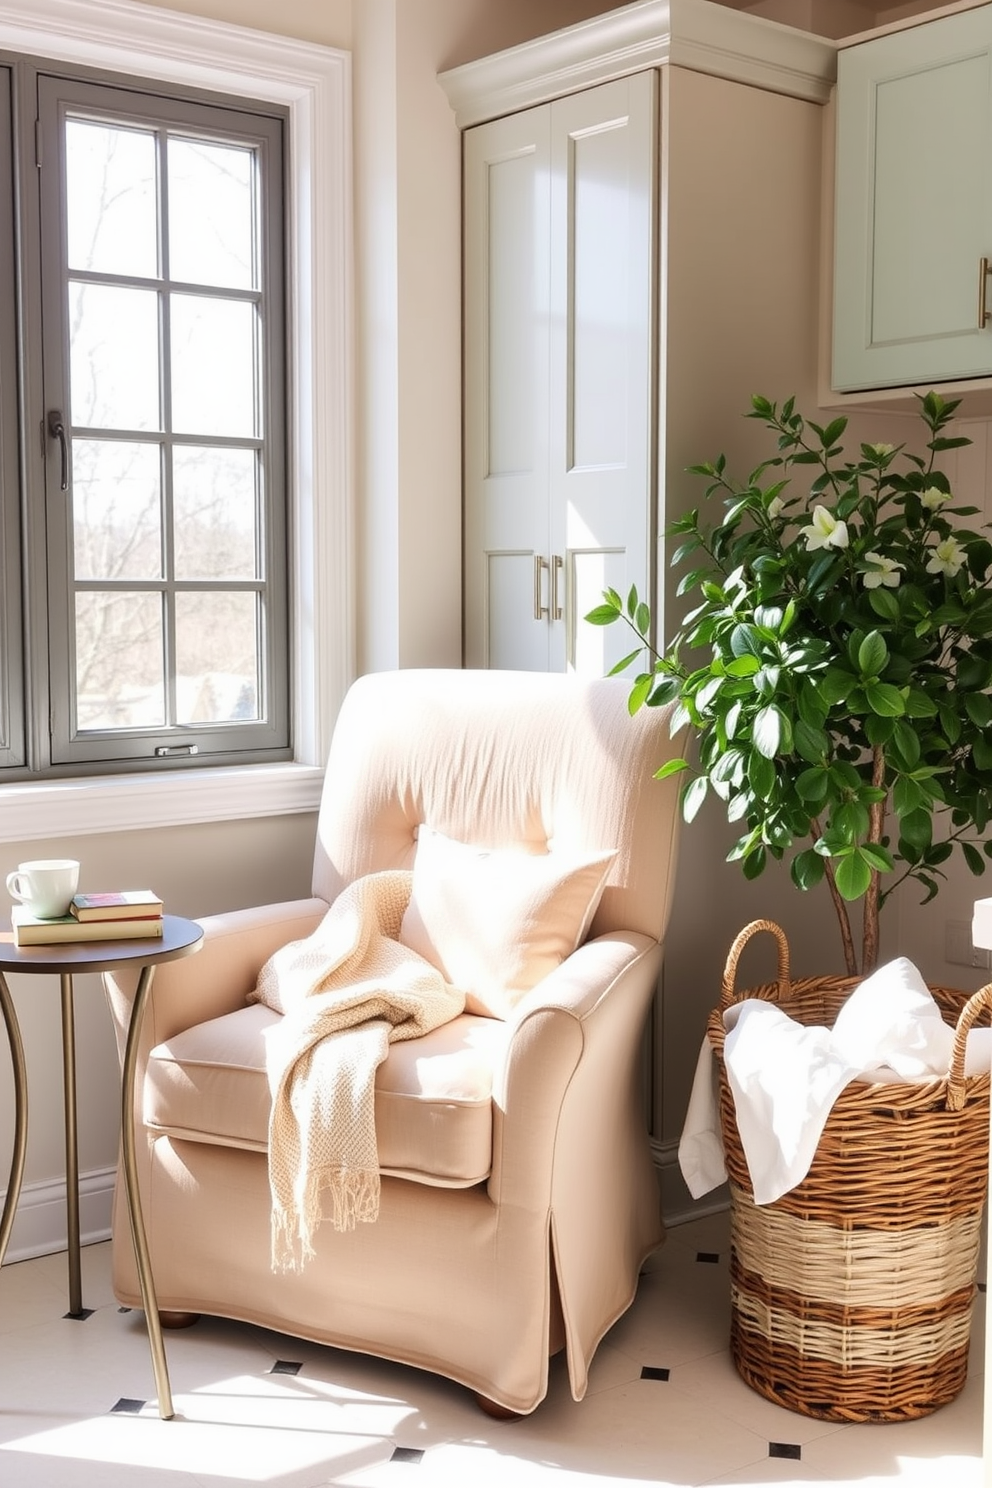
[652, 1371]
[125, 1309]
[285, 1366]
[983, 1286]
[80, 1316]
[708, 1257]
[407, 1454]
[785, 1449]
[125, 1407]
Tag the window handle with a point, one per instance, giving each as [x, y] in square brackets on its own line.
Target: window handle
[56, 430]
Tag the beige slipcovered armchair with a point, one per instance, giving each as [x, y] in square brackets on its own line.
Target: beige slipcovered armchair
[518, 1196]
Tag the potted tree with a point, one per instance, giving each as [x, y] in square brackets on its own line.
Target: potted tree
[835, 665]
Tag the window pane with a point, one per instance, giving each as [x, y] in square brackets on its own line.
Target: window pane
[113, 351]
[119, 661]
[112, 215]
[216, 658]
[116, 509]
[213, 366]
[212, 214]
[213, 505]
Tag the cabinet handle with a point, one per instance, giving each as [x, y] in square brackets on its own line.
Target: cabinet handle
[540, 610]
[984, 314]
[557, 569]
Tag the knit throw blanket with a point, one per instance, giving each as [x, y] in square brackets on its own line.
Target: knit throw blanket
[346, 992]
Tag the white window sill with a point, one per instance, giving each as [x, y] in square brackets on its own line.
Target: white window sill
[123, 803]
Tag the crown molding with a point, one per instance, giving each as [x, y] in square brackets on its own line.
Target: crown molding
[695, 34]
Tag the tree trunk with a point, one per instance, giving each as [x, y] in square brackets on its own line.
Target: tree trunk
[869, 938]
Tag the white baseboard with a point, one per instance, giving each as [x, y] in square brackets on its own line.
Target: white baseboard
[40, 1222]
[677, 1204]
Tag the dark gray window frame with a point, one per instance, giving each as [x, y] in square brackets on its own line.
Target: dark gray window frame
[37, 738]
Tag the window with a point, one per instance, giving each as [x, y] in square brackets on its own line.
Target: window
[155, 510]
[313, 84]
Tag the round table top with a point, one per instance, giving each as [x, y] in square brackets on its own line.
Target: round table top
[179, 938]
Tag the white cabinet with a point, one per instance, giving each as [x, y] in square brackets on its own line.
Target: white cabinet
[559, 209]
[913, 227]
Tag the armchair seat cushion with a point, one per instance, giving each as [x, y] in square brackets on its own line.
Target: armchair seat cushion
[433, 1095]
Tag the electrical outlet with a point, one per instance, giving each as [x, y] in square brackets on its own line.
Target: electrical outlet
[958, 949]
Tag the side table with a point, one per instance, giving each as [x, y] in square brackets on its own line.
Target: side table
[179, 938]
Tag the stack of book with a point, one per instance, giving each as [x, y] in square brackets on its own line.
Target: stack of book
[131, 914]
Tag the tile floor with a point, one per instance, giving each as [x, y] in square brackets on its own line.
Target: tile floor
[664, 1407]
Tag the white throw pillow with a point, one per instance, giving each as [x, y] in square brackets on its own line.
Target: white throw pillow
[496, 921]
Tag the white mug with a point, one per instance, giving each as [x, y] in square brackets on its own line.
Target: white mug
[45, 886]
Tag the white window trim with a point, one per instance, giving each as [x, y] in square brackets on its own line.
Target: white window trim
[314, 83]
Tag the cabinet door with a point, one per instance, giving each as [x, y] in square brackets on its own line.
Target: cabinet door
[558, 374]
[602, 209]
[913, 205]
[507, 340]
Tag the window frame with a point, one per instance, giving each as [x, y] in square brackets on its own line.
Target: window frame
[65, 94]
[313, 82]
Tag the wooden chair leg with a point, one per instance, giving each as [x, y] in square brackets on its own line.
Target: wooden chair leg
[178, 1319]
[496, 1411]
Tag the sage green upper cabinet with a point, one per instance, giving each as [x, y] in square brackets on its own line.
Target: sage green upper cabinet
[913, 227]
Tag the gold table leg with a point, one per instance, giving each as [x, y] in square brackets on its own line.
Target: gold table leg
[145, 1279]
[71, 1146]
[20, 1115]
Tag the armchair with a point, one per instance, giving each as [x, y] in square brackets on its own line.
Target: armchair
[518, 1197]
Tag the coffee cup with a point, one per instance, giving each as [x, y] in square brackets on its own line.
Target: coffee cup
[45, 886]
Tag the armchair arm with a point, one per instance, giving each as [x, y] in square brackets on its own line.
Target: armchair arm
[218, 978]
[556, 1030]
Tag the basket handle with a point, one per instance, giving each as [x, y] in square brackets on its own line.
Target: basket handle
[971, 1011]
[727, 994]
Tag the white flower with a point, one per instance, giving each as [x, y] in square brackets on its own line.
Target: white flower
[825, 531]
[947, 557]
[933, 498]
[882, 570]
[774, 506]
[880, 451]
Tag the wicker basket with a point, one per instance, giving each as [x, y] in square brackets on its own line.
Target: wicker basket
[852, 1293]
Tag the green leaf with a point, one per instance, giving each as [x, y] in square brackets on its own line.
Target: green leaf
[978, 706]
[642, 619]
[873, 653]
[671, 767]
[877, 857]
[812, 785]
[621, 666]
[907, 796]
[919, 705]
[760, 775]
[807, 869]
[973, 858]
[885, 700]
[917, 828]
[693, 797]
[639, 693]
[767, 730]
[811, 743]
[884, 603]
[754, 864]
[852, 876]
[837, 685]
[743, 666]
[907, 744]
[603, 614]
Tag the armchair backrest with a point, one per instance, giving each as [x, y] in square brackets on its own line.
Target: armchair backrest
[501, 759]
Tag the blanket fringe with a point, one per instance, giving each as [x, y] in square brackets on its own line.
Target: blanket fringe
[352, 1198]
